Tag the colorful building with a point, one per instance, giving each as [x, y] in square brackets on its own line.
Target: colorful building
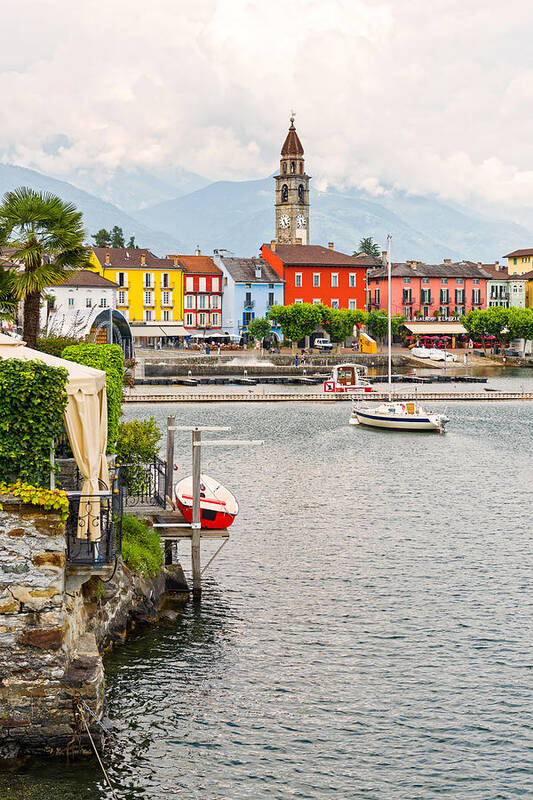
[317, 274]
[519, 261]
[426, 290]
[149, 293]
[528, 278]
[507, 291]
[251, 287]
[202, 294]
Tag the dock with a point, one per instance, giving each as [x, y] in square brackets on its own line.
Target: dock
[254, 396]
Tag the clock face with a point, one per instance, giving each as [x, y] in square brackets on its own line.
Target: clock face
[284, 221]
[300, 221]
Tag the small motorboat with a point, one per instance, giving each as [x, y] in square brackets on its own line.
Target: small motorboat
[347, 378]
[399, 417]
[218, 507]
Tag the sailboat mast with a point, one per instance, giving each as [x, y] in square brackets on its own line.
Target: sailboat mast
[389, 321]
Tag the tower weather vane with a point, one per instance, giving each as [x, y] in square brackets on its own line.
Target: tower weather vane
[293, 114]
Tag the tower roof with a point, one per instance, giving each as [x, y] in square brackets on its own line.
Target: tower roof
[292, 145]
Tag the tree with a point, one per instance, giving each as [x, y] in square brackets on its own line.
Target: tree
[296, 321]
[339, 325]
[259, 328]
[475, 323]
[131, 243]
[102, 238]
[117, 237]
[369, 246]
[46, 238]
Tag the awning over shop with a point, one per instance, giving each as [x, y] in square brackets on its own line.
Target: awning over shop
[435, 328]
[157, 331]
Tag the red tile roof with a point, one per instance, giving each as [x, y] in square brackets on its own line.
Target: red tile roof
[518, 253]
[131, 258]
[527, 275]
[198, 265]
[292, 145]
[313, 255]
[87, 278]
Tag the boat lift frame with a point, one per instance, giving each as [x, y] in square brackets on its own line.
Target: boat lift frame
[193, 530]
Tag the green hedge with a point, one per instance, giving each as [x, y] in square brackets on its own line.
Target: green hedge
[34, 398]
[110, 358]
[54, 345]
[141, 547]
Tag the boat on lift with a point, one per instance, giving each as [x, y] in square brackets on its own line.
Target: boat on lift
[218, 507]
[347, 378]
[405, 416]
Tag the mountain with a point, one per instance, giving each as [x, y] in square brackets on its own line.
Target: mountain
[137, 188]
[240, 216]
[97, 213]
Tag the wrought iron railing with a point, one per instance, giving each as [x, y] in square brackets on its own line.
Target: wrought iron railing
[94, 527]
[144, 484]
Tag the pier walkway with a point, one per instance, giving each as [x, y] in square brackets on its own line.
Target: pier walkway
[252, 396]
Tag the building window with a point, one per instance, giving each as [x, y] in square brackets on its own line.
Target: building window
[426, 311]
[301, 193]
[425, 280]
[147, 279]
[215, 284]
[202, 320]
[103, 302]
[444, 311]
[71, 301]
[189, 320]
[376, 297]
[202, 285]
[122, 299]
[215, 301]
[166, 315]
[202, 301]
[352, 279]
[444, 280]
[459, 296]
[407, 280]
[316, 279]
[215, 320]
[189, 284]
[189, 301]
[298, 300]
[122, 279]
[248, 300]
[352, 304]
[88, 302]
[514, 260]
[166, 298]
[270, 285]
[476, 296]
[271, 299]
[334, 303]
[316, 301]
[284, 193]
[407, 297]
[459, 310]
[444, 296]
[164, 280]
[334, 279]
[459, 281]
[476, 281]
[148, 298]
[147, 315]
[426, 296]
[298, 280]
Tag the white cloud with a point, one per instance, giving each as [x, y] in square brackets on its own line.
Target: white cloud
[431, 97]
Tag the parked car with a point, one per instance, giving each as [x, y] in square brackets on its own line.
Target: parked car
[323, 344]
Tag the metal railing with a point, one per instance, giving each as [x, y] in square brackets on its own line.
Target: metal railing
[94, 528]
[144, 484]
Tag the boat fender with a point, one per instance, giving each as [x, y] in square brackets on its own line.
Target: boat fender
[329, 386]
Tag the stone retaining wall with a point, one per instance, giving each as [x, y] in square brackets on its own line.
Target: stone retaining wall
[54, 623]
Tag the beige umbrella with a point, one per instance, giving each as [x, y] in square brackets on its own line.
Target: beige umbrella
[85, 423]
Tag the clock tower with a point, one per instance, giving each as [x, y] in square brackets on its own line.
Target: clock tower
[292, 192]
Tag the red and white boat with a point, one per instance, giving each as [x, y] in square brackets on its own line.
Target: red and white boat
[218, 507]
[347, 378]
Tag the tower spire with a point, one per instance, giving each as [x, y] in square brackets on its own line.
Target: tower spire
[292, 192]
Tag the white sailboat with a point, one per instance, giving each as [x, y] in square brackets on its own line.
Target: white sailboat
[405, 416]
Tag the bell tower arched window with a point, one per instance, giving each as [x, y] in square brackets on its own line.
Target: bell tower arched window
[292, 167]
[284, 193]
[284, 167]
[301, 193]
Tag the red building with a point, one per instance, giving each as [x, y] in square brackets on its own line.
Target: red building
[316, 274]
[202, 293]
[419, 290]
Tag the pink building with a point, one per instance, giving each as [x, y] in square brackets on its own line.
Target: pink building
[418, 290]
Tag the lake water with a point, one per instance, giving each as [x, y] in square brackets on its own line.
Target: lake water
[366, 633]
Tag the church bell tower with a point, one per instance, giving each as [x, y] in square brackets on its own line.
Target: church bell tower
[292, 192]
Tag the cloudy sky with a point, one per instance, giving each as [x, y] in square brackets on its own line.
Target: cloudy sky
[429, 96]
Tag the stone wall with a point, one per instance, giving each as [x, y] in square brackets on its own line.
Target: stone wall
[54, 622]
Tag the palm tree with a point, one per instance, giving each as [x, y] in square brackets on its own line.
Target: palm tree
[46, 242]
[8, 301]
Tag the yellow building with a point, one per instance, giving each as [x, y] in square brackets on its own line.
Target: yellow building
[149, 293]
[519, 261]
[528, 276]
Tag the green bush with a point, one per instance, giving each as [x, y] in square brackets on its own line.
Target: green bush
[54, 345]
[110, 358]
[137, 444]
[34, 398]
[141, 547]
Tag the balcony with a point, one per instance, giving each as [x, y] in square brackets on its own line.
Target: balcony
[94, 528]
[478, 302]
[249, 304]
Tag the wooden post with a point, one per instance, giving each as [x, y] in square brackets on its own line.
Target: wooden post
[196, 529]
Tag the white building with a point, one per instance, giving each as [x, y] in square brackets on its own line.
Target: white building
[81, 291]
